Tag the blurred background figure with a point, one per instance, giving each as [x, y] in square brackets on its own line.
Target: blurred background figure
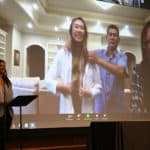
[131, 62]
[141, 77]
[6, 96]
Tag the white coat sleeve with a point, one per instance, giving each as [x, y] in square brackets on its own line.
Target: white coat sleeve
[95, 80]
[53, 74]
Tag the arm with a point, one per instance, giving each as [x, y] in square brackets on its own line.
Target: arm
[65, 89]
[92, 82]
[52, 79]
[52, 75]
[97, 84]
[118, 70]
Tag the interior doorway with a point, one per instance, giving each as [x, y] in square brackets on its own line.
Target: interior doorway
[35, 61]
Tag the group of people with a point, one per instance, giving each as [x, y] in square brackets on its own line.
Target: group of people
[90, 81]
[93, 81]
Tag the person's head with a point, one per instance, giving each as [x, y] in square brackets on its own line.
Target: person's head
[3, 72]
[78, 30]
[2, 67]
[78, 34]
[112, 36]
[78, 44]
[145, 42]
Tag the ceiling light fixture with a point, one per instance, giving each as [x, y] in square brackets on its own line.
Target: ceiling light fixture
[56, 28]
[68, 19]
[126, 31]
[29, 25]
[66, 23]
[35, 6]
[104, 5]
[98, 28]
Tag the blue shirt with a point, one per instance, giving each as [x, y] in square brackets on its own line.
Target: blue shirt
[113, 85]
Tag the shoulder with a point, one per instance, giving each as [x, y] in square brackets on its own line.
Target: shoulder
[100, 51]
[63, 52]
[120, 53]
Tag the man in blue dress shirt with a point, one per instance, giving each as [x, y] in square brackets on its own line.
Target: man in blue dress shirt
[113, 69]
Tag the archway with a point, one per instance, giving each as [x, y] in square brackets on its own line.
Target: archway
[35, 61]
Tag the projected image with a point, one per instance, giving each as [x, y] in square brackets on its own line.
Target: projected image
[72, 75]
[81, 60]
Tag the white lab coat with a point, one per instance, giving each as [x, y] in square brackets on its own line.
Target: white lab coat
[61, 71]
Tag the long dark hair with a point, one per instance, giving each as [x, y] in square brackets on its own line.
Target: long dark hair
[79, 60]
[79, 50]
[4, 76]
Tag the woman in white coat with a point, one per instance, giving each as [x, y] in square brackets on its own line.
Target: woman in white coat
[72, 76]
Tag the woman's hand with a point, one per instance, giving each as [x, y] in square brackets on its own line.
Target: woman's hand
[65, 89]
[93, 58]
[83, 92]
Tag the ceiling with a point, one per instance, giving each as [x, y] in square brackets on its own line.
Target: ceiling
[51, 15]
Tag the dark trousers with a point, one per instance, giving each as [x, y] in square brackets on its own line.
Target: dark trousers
[5, 123]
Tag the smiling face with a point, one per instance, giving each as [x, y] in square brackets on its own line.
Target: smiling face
[78, 30]
[78, 33]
